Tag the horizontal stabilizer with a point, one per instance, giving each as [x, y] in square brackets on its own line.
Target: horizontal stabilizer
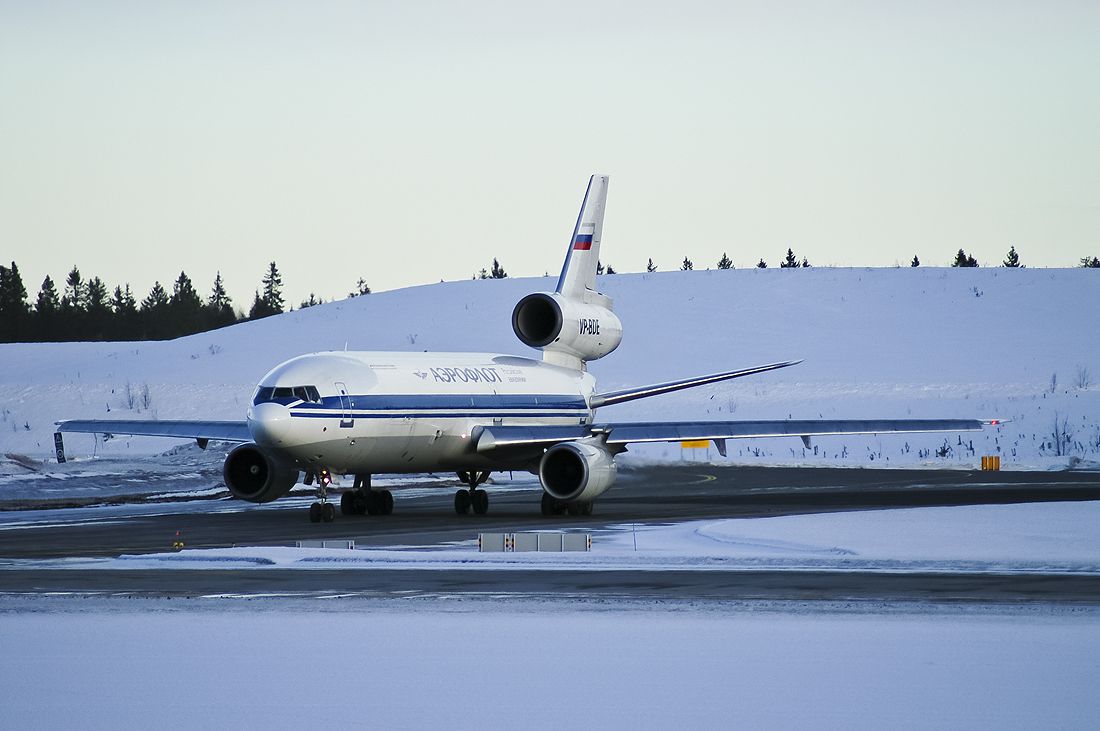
[617, 397]
[224, 431]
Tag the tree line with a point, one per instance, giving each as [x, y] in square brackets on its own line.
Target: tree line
[84, 310]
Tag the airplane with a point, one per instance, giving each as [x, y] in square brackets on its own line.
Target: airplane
[364, 413]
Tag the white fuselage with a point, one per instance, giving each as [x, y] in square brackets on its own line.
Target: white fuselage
[374, 412]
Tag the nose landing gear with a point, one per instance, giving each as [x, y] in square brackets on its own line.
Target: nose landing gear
[322, 510]
[472, 497]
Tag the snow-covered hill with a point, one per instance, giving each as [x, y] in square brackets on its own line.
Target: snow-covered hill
[1017, 344]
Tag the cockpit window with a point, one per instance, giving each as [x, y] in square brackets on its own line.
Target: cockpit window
[287, 394]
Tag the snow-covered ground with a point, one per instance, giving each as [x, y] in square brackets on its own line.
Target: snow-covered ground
[922, 342]
[499, 663]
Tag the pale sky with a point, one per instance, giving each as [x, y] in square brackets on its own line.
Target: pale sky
[409, 142]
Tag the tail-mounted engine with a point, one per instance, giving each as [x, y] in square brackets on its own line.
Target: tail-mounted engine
[567, 331]
[576, 471]
[254, 475]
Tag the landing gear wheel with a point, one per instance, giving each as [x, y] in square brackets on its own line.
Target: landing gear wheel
[315, 513]
[385, 502]
[328, 512]
[552, 506]
[371, 503]
[478, 499]
[358, 503]
[347, 503]
[579, 508]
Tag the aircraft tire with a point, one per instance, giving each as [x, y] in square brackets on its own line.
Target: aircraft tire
[462, 502]
[549, 505]
[328, 512]
[347, 503]
[385, 502]
[315, 513]
[480, 502]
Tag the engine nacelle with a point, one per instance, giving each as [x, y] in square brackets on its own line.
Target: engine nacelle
[256, 476]
[576, 471]
[554, 323]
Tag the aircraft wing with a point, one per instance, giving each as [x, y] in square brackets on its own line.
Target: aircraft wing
[498, 437]
[224, 431]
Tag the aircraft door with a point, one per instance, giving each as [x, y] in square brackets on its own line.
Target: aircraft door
[346, 419]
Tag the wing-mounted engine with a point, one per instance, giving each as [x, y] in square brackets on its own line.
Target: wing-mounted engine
[256, 476]
[577, 471]
[568, 331]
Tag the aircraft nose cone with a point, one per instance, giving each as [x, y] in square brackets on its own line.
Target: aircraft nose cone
[270, 424]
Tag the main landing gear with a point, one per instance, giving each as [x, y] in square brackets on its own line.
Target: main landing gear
[473, 497]
[363, 500]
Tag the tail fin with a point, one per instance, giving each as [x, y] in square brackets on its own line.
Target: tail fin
[578, 274]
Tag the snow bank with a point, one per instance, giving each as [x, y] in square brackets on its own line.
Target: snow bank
[921, 342]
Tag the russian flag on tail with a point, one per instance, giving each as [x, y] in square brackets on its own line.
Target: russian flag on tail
[583, 242]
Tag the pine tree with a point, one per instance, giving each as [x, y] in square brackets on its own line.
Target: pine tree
[725, 262]
[1090, 262]
[361, 288]
[761, 264]
[599, 267]
[497, 272]
[651, 267]
[73, 299]
[610, 269]
[1013, 259]
[483, 274]
[157, 298]
[915, 262]
[272, 299]
[14, 311]
[185, 307]
[962, 259]
[805, 263]
[687, 266]
[790, 262]
[219, 299]
[97, 316]
[258, 309]
[47, 309]
[154, 314]
[47, 297]
[95, 295]
[125, 321]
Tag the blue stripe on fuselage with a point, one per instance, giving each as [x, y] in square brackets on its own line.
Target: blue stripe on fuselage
[337, 414]
[433, 402]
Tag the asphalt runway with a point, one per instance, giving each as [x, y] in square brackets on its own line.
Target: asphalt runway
[649, 495]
